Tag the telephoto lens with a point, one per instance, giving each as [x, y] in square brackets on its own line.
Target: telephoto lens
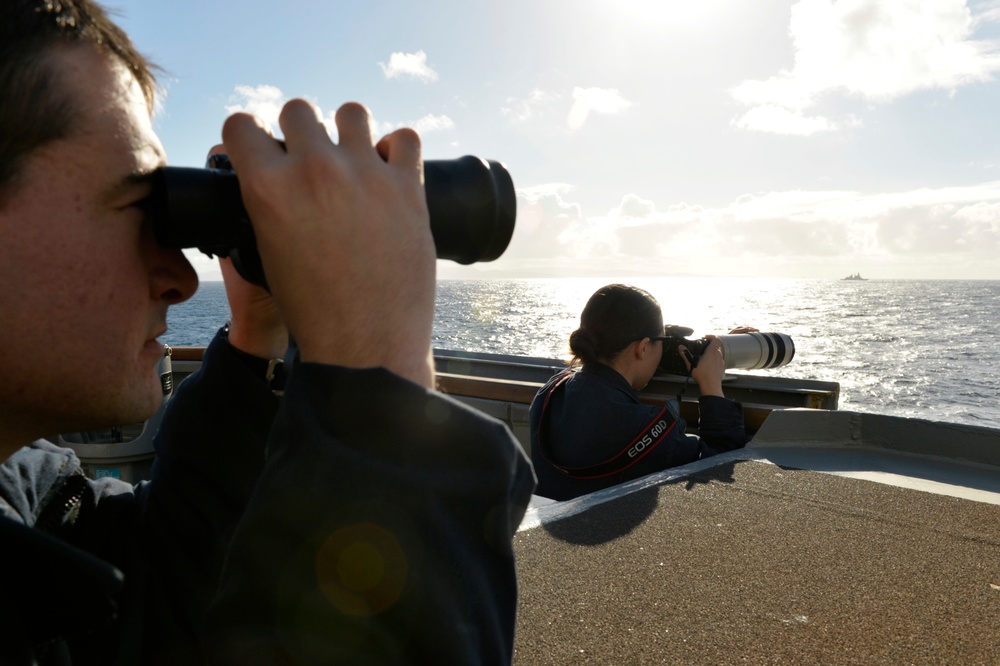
[750, 351]
[757, 351]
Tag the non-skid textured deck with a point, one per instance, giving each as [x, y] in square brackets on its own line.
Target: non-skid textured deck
[749, 562]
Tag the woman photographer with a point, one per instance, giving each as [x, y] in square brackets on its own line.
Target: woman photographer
[589, 429]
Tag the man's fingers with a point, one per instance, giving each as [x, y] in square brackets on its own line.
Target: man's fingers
[248, 141]
[302, 126]
[401, 148]
[353, 130]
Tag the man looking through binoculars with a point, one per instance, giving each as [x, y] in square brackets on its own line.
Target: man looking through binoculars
[245, 544]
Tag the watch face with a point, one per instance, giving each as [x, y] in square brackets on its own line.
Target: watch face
[271, 370]
[276, 375]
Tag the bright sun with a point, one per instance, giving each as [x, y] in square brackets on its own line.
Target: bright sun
[684, 12]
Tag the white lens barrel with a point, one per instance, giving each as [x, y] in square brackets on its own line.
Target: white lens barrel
[756, 351]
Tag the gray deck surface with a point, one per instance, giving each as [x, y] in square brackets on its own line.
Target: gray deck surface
[749, 562]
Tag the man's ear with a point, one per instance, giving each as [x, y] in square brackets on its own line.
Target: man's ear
[641, 348]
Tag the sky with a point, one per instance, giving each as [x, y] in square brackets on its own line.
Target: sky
[803, 139]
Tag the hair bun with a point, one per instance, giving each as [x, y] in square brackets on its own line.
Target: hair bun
[584, 345]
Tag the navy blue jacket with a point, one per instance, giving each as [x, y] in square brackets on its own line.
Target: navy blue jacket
[240, 544]
[596, 433]
[163, 540]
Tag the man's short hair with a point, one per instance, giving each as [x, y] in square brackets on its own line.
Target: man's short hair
[34, 107]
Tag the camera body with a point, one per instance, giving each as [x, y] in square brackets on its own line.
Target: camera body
[471, 201]
[750, 351]
[677, 336]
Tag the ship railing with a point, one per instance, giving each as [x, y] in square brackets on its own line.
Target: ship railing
[500, 385]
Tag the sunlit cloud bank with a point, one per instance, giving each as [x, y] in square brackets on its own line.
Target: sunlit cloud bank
[875, 50]
[796, 233]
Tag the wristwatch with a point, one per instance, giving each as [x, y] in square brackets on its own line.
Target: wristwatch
[271, 370]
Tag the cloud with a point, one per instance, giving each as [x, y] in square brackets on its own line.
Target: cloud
[409, 65]
[425, 125]
[540, 104]
[876, 50]
[634, 207]
[266, 102]
[432, 123]
[594, 100]
[986, 12]
[779, 120]
[519, 110]
[263, 101]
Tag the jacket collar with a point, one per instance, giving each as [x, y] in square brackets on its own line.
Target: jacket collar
[31, 477]
[609, 374]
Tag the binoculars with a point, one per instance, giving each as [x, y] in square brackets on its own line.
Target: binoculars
[471, 202]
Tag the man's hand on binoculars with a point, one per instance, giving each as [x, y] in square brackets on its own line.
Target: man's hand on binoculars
[344, 236]
[255, 325]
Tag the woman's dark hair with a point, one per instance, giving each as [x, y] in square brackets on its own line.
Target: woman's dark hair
[615, 316]
[35, 107]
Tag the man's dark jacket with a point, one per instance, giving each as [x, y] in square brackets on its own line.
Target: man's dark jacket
[260, 550]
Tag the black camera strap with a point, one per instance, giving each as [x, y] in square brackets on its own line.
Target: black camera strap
[693, 360]
[651, 436]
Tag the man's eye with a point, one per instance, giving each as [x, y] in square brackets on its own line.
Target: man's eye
[145, 204]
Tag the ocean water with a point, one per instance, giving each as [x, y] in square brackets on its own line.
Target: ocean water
[902, 347]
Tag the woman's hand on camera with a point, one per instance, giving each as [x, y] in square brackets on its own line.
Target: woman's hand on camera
[710, 369]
